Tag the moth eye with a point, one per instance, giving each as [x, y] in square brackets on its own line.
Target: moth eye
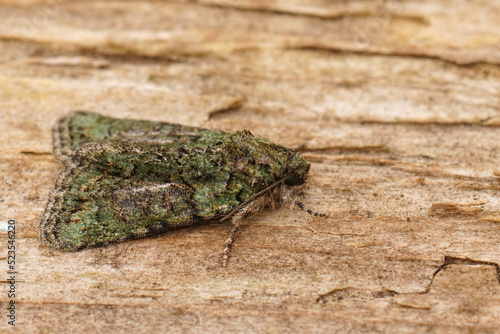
[295, 180]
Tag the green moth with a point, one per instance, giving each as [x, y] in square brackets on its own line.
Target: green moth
[126, 179]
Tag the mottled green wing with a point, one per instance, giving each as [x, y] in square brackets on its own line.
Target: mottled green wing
[90, 208]
[126, 179]
[81, 127]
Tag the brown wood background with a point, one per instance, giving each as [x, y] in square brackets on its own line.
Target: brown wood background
[396, 104]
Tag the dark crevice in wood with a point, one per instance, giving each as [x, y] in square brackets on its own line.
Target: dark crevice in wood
[236, 105]
[403, 54]
[379, 12]
[356, 293]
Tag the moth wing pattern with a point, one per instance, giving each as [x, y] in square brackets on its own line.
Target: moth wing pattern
[82, 127]
[108, 209]
[126, 179]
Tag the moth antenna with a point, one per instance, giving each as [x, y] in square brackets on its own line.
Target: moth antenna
[289, 198]
[250, 200]
[309, 211]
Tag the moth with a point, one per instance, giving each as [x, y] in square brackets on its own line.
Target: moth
[127, 179]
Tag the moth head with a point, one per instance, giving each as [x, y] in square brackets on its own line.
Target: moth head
[297, 170]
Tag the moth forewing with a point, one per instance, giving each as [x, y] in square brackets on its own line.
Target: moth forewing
[126, 179]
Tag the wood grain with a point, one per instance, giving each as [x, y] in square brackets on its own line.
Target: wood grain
[395, 103]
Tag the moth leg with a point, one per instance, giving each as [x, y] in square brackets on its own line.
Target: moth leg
[229, 242]
[251, 209]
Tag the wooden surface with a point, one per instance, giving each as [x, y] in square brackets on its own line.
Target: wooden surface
[396, 104]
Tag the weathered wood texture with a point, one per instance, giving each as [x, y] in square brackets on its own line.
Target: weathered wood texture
[396, 104]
